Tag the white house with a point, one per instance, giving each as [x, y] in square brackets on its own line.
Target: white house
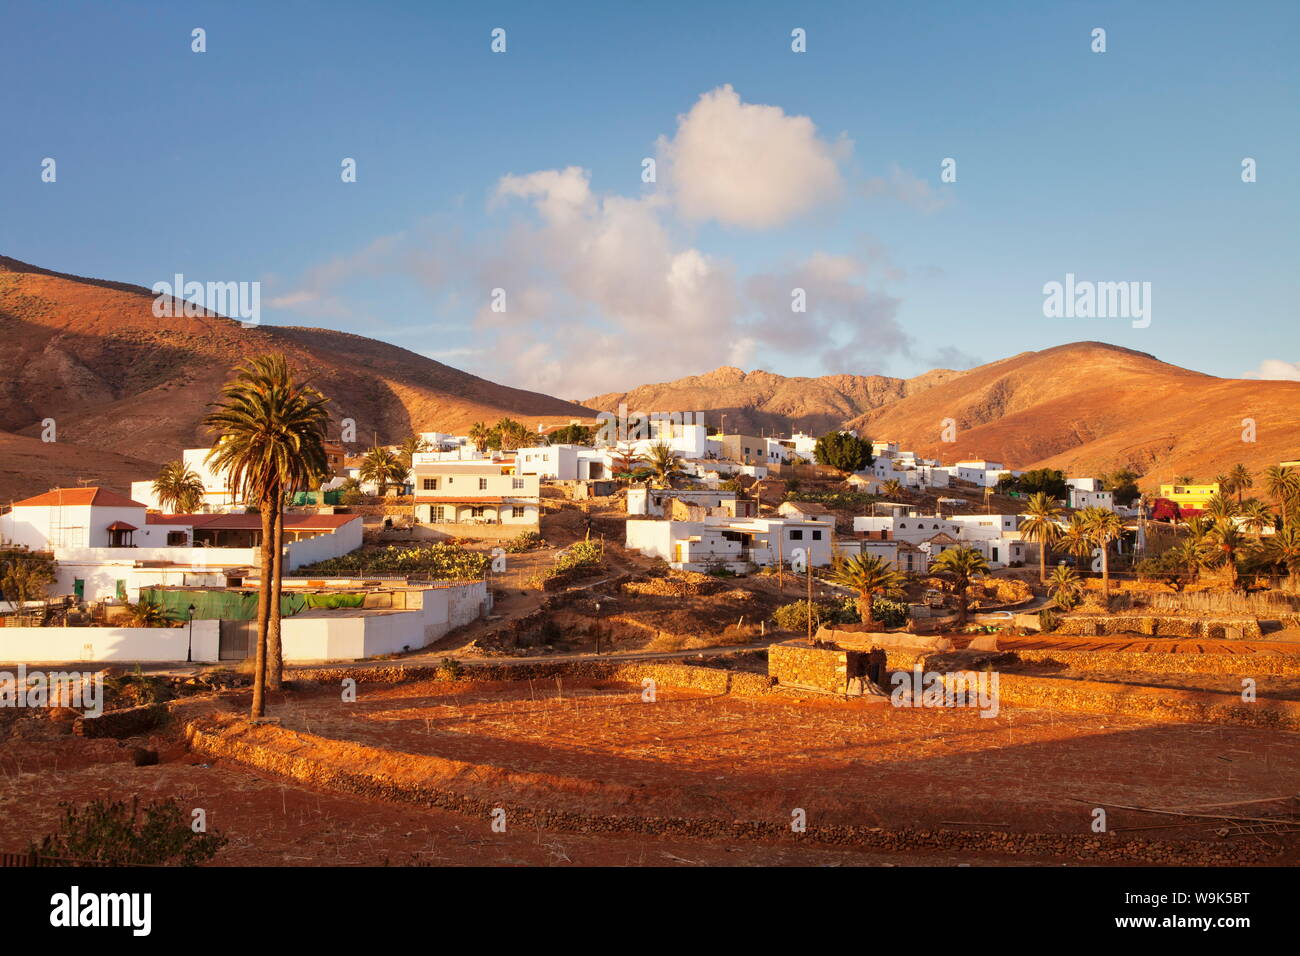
[475, 492]
[216, 489]
[1082, 498]
[107, 546]
[736, 542]
[642, 501]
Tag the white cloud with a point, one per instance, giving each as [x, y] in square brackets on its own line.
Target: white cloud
[748, 165]
[1276, 369]
[906, 188]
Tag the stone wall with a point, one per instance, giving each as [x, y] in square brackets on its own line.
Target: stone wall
[795, 664]
[1152, 625]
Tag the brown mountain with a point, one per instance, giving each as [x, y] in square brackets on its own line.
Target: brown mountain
[128, 389]
[762, 401]
[1086, 408]
[1089, 407]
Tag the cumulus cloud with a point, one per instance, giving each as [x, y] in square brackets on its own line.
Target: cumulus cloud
[1276, 369]
[749, 165]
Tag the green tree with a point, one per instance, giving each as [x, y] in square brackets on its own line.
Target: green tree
[270, 432]
[571, 435]
[383, 468]
[870, 576]
[843, 451]
[1046, 481]
[1282, 552]
[1122, 486]
[178, 488]
[411, 446]
[663, 460]
[1283, 486]
[27, 576]
[1239, 479]
[1064, 586]
[963, 566]
[1104, 526]
[1041, 525]
[478, 434]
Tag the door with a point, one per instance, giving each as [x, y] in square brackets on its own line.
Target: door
[79, 589]
[238, 640]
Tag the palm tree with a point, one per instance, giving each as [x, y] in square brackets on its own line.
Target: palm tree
[893, 489]
[1255, 516]
[271, 434]
[1282, 550]
[1221, 509]
[1185, 480]
[1064, 586]
[1282, 485]
[178, 488]
[964, 565]
[478, 433]
[662, 460]
[1040, 525]
[382, 467]
[1230, 543]
[148, 613]
[871, 576]
[1103, 526]
[409, 448]
[1076, 539]
[1239, 479]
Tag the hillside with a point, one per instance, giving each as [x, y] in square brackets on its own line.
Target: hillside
[1089, 407]
[1085, 408]
[763, 401]
[128, 387]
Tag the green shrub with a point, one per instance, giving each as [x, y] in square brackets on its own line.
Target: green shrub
[447, 561]
[794, 616]
[584, 554]
[117, 833]
[1048, 620]
[525, 542]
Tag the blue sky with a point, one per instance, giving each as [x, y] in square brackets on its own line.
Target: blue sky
[775, 170]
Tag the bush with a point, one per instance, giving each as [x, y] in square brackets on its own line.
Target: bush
[113, 832]
[584, 554]
[525, 542]
[794, 616]
[1048, 620]
[888, 612]
[447, 561]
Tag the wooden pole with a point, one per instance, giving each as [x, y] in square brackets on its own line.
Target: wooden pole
[810, 627]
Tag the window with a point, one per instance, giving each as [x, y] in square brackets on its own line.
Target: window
[438, 514]
[482, 484]
[430, 484]
[516, 482]
[817, 535]
[476, 511]
[796, 535]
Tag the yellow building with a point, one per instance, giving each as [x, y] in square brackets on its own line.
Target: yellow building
[1190, 496]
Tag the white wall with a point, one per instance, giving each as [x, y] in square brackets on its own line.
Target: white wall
[143, 644]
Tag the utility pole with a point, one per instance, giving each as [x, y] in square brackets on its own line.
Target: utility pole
[810, 628]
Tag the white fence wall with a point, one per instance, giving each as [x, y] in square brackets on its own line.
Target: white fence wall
[144, 644]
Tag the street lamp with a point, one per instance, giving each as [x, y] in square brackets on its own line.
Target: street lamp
[597, 628]
[189, 650]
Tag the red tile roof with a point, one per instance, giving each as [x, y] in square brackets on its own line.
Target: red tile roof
[122, 526]
[253, 522]
[485, 500]
[101, 497]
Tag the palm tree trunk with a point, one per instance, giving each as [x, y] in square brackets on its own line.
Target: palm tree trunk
[263, 614]
[1042, 561]
[274, 647]
[867, 608]
[1105, 574]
